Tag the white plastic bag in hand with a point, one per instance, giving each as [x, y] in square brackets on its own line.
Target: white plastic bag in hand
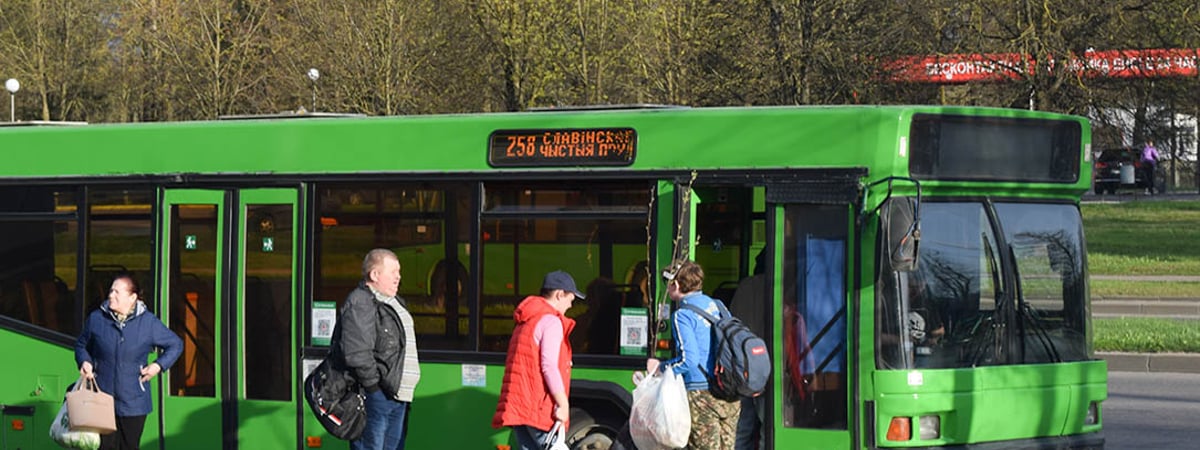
[60, 432]
[661, 418]
[557, 438]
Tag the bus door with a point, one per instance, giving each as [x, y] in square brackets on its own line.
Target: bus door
[228, 289]
[811, 271]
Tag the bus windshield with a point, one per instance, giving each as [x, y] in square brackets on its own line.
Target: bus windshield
[964, 306]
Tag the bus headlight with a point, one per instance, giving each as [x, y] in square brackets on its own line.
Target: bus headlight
[929, 427]
[1093, 414]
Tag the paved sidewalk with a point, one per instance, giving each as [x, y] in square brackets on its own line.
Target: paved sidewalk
[1151, 362]
[1147, 306]
[1190, 278]
[1180, 308]
[1183, 308]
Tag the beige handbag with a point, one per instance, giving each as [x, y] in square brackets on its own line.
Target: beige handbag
[89, 409]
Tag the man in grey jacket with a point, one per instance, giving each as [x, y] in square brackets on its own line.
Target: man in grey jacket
[375, 338]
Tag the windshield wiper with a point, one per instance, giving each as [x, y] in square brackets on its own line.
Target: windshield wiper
[996, 320]
[1027, 314]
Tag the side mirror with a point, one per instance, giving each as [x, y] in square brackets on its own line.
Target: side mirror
[902, 225]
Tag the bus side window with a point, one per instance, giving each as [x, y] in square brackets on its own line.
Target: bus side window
[44, 300]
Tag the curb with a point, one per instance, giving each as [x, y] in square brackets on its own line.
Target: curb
[1146, 307]
[1177, 278]
[1151, 362]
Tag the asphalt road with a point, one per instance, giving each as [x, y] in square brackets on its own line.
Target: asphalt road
[1152, 411]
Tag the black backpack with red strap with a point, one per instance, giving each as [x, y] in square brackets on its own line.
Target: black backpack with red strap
[742, 363]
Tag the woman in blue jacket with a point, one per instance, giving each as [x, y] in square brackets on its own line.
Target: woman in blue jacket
[116, 341]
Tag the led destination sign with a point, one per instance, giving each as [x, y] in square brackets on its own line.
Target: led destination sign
[557, 148]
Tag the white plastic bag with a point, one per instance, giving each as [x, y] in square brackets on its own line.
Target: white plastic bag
[661, 418]
[557, 438]
[60, 432]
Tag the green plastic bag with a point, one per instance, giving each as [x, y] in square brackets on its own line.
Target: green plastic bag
[60, 432]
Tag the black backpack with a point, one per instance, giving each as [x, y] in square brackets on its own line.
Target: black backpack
[742, 363]
[337, 400]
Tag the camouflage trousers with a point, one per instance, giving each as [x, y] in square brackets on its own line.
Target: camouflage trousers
[714, 421]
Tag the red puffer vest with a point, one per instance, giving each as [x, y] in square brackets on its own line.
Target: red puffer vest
[524, 399]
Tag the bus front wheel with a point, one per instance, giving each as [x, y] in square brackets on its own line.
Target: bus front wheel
[592, 430]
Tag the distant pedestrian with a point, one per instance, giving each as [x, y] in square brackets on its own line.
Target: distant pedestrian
[537, 371]
[1149, 165]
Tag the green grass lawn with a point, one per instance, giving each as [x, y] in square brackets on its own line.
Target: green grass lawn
[1144, 334]
[1102, 289]
[1143, 238]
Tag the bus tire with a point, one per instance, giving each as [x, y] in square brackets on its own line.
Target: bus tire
[592, 432]
[624, 440]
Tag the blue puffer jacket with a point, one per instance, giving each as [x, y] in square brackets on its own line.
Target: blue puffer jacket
[118, 352]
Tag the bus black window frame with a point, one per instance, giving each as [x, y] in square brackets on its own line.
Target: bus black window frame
[537, 212]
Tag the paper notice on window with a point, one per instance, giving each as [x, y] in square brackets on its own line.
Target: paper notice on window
[474, 375]
[324, 317]
[635, 327]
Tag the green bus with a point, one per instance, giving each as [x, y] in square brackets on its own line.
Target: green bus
[924, 273]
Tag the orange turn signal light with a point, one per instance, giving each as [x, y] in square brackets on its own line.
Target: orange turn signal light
[312, 441]
[900, 429]
[18, 424]
[664, 344]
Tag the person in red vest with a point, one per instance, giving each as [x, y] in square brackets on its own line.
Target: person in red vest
[537, 371]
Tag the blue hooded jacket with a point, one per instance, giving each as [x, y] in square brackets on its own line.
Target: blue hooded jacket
[118, 351]
[694, 340]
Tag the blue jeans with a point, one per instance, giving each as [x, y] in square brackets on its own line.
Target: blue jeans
[529, 438]
[749, 427]
[387, 424]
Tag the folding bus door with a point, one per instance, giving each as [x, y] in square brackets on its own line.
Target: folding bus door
[267, 382]
[193, 263]
[227, 289]
[812, 273]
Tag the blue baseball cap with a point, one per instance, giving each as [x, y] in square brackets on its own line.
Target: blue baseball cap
[561, 280]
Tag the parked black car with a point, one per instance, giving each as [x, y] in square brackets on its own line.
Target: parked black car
[1106, 171]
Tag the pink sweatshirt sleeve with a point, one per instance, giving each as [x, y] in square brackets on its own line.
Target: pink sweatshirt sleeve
[548, 334]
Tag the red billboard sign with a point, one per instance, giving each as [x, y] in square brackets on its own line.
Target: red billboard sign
[961, 68]
[1151, 63]
[968, 67]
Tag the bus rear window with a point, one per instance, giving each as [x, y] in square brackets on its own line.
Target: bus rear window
[994, 149]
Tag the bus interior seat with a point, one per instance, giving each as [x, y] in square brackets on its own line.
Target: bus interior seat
[631, 296]
[724, 292]
[45, 300]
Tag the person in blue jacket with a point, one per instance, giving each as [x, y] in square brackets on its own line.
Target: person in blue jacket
[117, 339]
[714, 421]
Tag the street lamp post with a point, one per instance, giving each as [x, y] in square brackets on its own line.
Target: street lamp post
[313, 75]
[13, 86]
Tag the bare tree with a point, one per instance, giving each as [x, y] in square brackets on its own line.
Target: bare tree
[198, 58]
[56, 48]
